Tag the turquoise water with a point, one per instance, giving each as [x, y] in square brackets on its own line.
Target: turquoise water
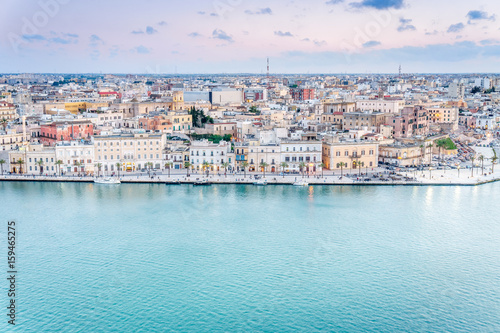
[154, 258]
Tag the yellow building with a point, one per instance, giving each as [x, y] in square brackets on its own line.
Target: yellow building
[347, 155]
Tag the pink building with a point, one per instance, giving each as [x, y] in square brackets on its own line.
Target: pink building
[66, 131]
[413, 121]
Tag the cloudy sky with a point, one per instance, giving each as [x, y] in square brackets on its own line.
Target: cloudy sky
[234, 36]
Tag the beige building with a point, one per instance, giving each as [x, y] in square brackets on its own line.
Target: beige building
[132, 151]
[381, 105]
[358, 120]
[36, 159]
[7, 111]
[344, 107]
[11, 140]
[258, 154]
[222, 129]
[444, 116]
[135, 108]
[402, 155]
[347, 155]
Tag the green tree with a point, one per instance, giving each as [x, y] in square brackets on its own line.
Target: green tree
[494, 160]
[4, 122]
[58, 166]
[322, 166]
[472, 159]
[283, 165]
[244, 166]
[187, 165]
[206, 167]
[99, 166]
[302, 166]
[168, 165]
[263, 166]
[118, 168]
[40, 165]
[2, 162]
[253, 109]
[225, 165]
[341, 165]
[481, 158]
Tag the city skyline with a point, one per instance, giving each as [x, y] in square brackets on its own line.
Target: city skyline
[231, 36]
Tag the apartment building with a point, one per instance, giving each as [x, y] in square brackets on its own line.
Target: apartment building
[131, 151]
[402, 155]
[293, 153]
[7, 111]
[358, 120]
[35, 159]
[381, 105]
[413, 121]
[76, 157]
[259, 154]
[344, 154]
[66, 131]
[215, 155]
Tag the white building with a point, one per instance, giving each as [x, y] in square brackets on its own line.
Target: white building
[75, 156]
[215, 155]
[380, 105]
[294, 153]
[259, 154]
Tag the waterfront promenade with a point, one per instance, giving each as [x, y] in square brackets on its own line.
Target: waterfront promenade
[377, 177]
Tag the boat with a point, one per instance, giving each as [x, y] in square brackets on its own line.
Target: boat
[107, 180]
[173, 182]
[301, 183]
[202, 182]
[260, 182]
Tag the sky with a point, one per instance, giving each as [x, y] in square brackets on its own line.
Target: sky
[237, 36]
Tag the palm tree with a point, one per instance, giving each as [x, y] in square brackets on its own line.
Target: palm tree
[99, 166]
[20, 162]
[4, 122]
[77, 164]
[494, 159]
[58, 165]
[302, 166]
[422, 159]
[360, 165]
[206, 165]
[225, 166]
[245, 166]
[263, 166]
[283, 165]
[322, 166]
[40, 165]
[481, 158]
[473, 158]
[341, 165]
[118, 168]
[168, 165]
[2, 162]
[149, 166]
[187, 165]
[430, 155]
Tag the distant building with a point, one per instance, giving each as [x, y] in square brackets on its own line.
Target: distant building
[302, 94]
[349, 154]
[7, 111]
[66, 131]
